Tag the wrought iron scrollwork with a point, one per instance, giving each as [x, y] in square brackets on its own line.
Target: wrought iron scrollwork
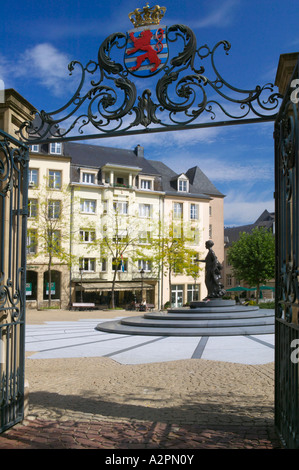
[113, 106]
[13, 175]
[287, 226]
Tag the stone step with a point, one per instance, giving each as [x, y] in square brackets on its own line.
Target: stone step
[118, 328]
[186, 315]
[216, 317]
[169, 323]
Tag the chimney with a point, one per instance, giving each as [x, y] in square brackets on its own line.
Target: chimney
[139, 151]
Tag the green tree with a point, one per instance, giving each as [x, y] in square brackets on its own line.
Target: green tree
[49, 234]
[172, 253]
[253, 257]
[119, 242]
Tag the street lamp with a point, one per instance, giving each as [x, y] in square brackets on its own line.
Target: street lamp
[81, 290]
[141, 273]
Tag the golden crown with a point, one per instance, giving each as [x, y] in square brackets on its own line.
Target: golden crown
[146, 16]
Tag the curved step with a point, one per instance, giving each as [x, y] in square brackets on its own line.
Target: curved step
[193, 311]
[208, 316]
[169, 323]
[118, 328]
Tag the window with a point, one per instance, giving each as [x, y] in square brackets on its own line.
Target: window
[34, 148]
[146, 184]
[177, 210]
[194, 260]
[120, 237]
[55, 147]
[144, 236]
[144, 264]
[145, 210]
[87, 236]
[88, 178]
[177, 292]
[192, 292]
[105, 206]
[88, 206]
[54, 239]
[87, 264]
[210, 211]
[210, 231]
[32, 207]
[120, 265]
[193, 211]
[33, 177]
[229, 280]
[103, 265]
[54, 179]
[183, 185]
[195, 235]
[54, 209]
[120, 208]
[177, 231]
[31, 242]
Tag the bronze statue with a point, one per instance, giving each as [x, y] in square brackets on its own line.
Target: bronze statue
[213, 273]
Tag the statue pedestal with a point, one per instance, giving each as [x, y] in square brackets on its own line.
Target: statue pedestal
[211, 317]
[216, 303]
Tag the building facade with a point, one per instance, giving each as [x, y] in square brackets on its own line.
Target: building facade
[81, 195]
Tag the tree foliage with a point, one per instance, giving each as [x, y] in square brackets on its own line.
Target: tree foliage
[253, 257]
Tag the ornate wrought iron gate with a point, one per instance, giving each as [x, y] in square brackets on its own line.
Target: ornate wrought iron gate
[14, 158]
[113, 106]
[287, 267]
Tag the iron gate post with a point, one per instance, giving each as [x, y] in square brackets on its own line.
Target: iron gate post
[286, 134]
[14, 161]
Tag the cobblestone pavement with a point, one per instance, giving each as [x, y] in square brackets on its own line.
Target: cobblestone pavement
[97, 403]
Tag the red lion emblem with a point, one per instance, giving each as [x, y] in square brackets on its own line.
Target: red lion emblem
[142, 43]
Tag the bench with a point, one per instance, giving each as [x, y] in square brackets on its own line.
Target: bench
[83, 306]
[143, 308]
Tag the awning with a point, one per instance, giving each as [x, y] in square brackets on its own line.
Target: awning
[107, 286]
[236, 289]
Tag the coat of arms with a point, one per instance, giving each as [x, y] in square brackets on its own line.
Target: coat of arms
[147, 50]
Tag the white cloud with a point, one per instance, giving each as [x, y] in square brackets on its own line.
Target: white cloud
[43, 64]
[245, 208]
[221, 15]
[49, 66]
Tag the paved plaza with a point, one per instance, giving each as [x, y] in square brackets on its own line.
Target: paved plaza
[89, 389]
[74, 339]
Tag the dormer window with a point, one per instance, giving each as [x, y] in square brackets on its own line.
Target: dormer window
[145, 184]
[183, 184]
[88, 176]
[34, 148]
[55, 147]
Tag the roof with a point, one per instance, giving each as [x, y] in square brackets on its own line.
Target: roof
[232, 234]
[199, 183]
[97, 156]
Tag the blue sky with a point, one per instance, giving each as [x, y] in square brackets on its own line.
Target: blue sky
[39, 39]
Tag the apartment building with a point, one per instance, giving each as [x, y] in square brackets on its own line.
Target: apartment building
[80, 194]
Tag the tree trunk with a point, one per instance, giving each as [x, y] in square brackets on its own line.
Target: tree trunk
[49, 281]
[169, 284]
[113, 287]
[257, 293]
